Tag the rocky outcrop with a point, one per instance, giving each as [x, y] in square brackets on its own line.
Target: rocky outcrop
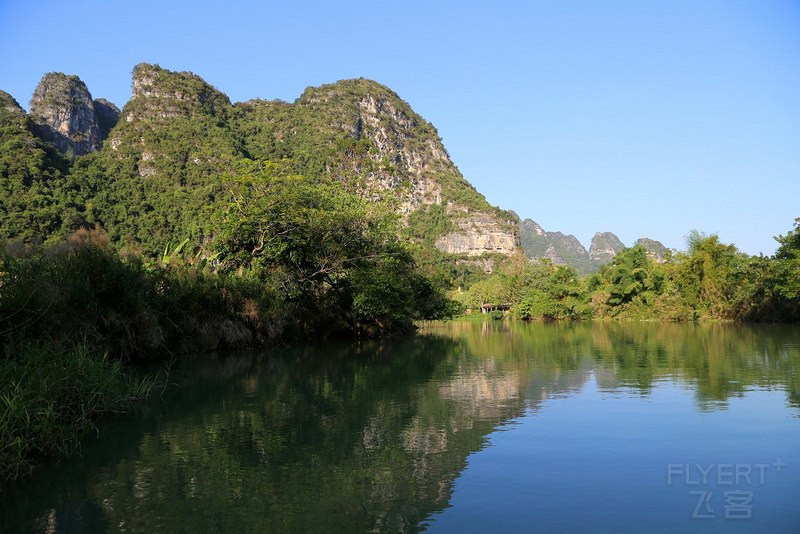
[174, 125]
[604, 247]
[64, 112]
[479, 234]
[364, 109]
[159, 94]
[655, 249]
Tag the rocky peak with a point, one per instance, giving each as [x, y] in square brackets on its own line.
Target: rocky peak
[655, 249]
[605, 246]
[162, 94]
[559, 248]
[421, 170]
[531, 226]
[174, 118]
[365, 109]
[14, 123]
[63, 110]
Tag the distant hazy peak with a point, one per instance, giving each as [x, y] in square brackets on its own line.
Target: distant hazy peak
[605, 246]
[655, 249]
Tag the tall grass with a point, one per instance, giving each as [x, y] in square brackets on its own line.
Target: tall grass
[50, 396]
[131, 308]
[75, 316]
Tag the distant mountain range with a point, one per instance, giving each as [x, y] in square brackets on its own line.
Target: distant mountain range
[567, 250]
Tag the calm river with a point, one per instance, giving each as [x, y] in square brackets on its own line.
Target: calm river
[468, 427]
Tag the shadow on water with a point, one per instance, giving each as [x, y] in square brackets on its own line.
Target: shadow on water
[369, 436]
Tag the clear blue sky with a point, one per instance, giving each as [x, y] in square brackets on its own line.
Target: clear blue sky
[644, 118]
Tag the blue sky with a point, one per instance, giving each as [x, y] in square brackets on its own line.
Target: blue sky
[644, 118]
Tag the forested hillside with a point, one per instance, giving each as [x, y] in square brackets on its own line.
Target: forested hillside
[157, 175]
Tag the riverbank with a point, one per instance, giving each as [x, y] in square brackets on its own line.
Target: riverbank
[76, 319]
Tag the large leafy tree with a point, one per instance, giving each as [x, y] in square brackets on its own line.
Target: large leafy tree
[706, 274]
[334, 255]
[787, 272]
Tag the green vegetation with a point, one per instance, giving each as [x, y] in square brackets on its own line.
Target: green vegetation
[335, 257]
[51, 395]
[159, 174]
[292, 260]
[75, 316]
[710, 281]
[204, 225]
[35, 196]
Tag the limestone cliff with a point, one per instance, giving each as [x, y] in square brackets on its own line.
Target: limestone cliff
[479, 234]
[64, 113]
[363, 109]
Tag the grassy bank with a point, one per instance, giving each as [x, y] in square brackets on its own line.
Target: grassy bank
[51, 396]
[77, 317]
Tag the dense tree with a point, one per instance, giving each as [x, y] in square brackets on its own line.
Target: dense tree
[787, 273]
[334, 255]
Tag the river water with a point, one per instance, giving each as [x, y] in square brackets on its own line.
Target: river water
[470, 426]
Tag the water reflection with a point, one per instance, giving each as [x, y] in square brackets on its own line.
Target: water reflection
[368, 437]
[718, 361]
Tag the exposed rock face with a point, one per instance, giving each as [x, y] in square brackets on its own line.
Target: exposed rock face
[418, 166]
[479, 234]
[570, 249]
[65, 115]
[364, 109]
[604, 247]
[532, 227]
[655, 249]
[174, 120]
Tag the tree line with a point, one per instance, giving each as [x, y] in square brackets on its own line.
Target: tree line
[708, 281]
